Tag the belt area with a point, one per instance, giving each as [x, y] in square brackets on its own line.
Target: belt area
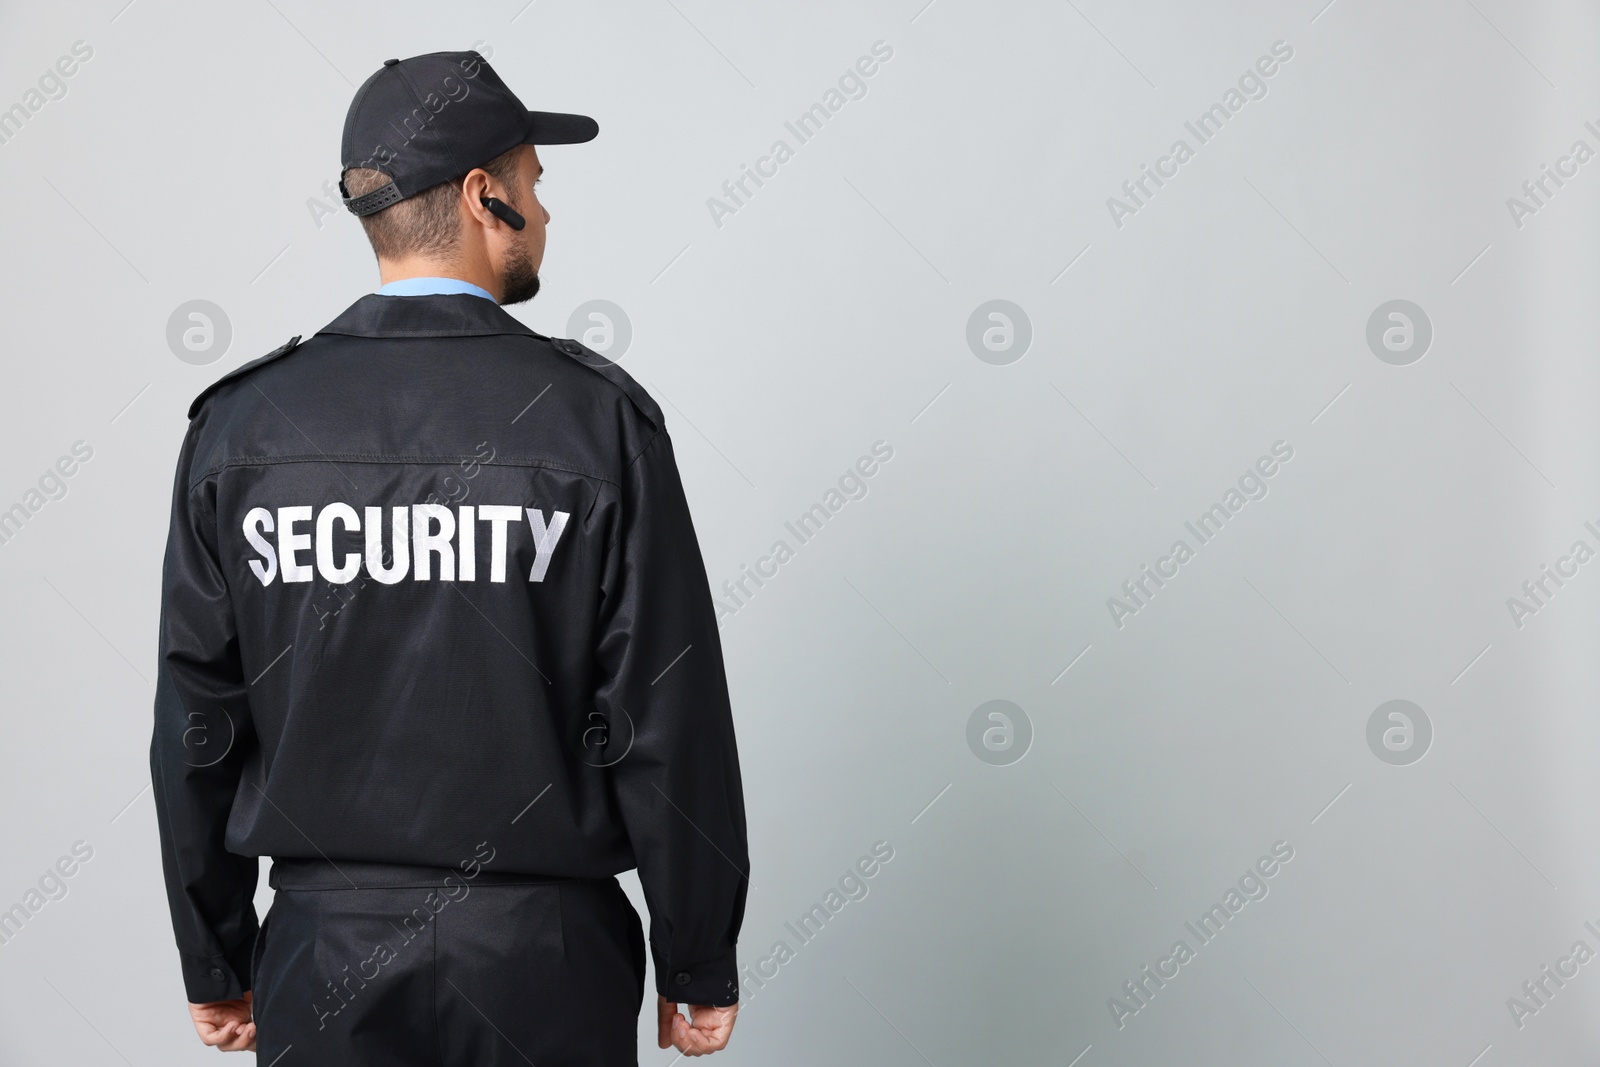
[367, 874]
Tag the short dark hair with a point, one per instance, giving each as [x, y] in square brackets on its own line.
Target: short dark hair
[427, 223]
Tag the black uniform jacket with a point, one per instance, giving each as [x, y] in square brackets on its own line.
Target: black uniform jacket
[431, 583]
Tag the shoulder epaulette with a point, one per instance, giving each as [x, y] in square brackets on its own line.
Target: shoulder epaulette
[615, 374]
[282, 350]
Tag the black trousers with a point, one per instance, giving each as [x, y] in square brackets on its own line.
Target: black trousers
[377, 964]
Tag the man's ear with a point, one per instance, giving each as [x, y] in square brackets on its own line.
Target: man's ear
[474, 188]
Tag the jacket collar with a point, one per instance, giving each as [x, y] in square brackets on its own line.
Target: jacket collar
[431, 315]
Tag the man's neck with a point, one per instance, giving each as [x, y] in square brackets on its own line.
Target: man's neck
[394, 270]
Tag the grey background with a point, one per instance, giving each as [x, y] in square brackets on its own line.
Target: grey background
[830, 312]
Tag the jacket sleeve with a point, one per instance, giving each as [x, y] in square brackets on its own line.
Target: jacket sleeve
[660, 671]
[202, 735]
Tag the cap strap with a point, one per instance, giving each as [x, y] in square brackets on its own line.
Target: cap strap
[369, 203]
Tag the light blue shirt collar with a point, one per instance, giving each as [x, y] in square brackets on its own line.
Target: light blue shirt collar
[429, 286]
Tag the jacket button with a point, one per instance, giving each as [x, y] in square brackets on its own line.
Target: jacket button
[681, 978]
[217, 975]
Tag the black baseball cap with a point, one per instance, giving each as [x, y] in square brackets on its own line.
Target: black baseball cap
[431, 118]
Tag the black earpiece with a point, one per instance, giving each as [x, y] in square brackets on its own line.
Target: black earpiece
[503, 213]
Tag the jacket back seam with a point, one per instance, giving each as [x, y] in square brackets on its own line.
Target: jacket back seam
[371, 458]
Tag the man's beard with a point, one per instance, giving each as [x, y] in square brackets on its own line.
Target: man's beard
[520, 281]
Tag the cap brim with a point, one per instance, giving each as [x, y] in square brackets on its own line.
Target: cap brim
[553, 127]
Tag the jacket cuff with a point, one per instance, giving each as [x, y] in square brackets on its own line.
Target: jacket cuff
[714, 982]
[211, 978]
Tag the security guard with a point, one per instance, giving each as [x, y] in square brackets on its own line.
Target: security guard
[436, 636]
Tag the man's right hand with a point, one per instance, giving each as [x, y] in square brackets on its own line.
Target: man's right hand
[706, 1030]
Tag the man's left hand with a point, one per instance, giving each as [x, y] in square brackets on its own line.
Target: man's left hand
[226, 1024]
